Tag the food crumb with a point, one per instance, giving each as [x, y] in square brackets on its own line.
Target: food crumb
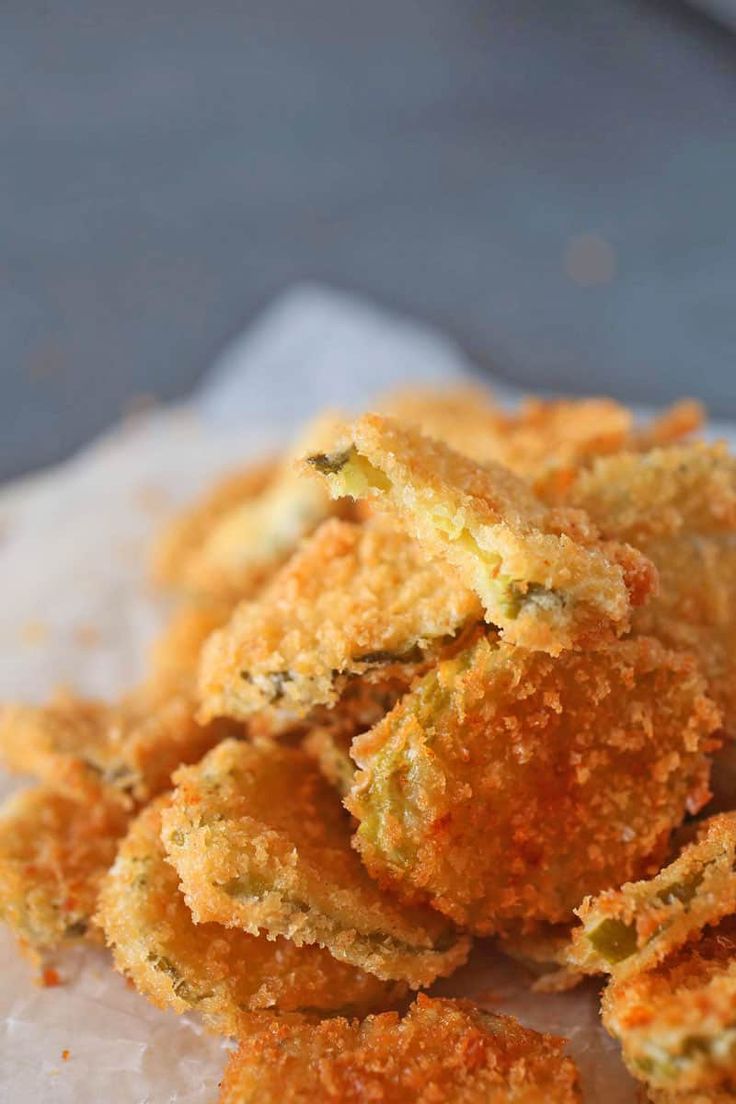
[65, 1055]
[87, 636]
[50, 977]
[33, 633]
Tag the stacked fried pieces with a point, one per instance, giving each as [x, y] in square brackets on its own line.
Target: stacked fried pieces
[439, 672]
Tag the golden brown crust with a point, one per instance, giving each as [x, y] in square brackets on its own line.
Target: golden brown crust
[542, 575]
[508, 784]
[440, 1052]
[54, 852]
[125, 751]
[676, 1022]
[260, 842]
[184, 535]
[354, 600]
[679, 506]
[633, 928]
[223, 974]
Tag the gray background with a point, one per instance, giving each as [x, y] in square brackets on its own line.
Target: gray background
[553, 182]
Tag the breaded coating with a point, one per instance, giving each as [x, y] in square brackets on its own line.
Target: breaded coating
[174, 659]
[53, 853]
[222, 973]
[354, 600]
[244, 546]
[633, 928]
[330, 732]
[93, 749]
[260, 842]
[677, 1023]
[440, 1052]
[544, 951]
[183, 537]
[542, 575]
[679, 506]
[508, 785]
[542, 436]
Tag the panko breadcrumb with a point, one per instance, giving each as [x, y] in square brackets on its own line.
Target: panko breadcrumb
[627, 930]
[97, 750]
[677, 1022]
[508, 785]
[679, 506]
[53, 853]
[222, 973]
[354, 600]
[260, 842]
[182, 538]
[440, 1052]
[542, 575]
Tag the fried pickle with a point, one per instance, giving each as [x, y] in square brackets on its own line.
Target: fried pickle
[222, 973]
[542, 575]
[676, 1022]
[183, 537]
[508, 785]
[627, 930]
[440, 1052]
[679, 506]
[542, 435]
[125, 750]
[354, 600]
[53, 853]
[260, 842]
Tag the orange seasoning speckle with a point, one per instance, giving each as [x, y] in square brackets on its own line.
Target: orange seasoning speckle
[65, 1055]
[50, 977]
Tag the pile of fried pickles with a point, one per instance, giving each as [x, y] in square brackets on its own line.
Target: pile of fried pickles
[440, 672]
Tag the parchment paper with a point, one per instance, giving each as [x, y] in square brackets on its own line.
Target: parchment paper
[77, 610]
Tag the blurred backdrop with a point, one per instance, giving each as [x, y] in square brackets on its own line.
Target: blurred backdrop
[552, 183]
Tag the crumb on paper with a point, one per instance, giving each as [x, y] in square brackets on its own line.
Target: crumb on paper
[65, 1054]
[87, 635]
[33, 633]
[151, 499]
[50, 978]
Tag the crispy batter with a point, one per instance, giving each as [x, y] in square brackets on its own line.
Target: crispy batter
[260, 842]
[354, 600]
[175, 654]
[679, 506]
[330, 732]
[93, 749]
[246, 544]
[222, 973]
[633, 928]
[185, 534]
[53, 853]
[508, 784]
[542, 436]
[542, 575]
[676, 1023]
[440, 1052]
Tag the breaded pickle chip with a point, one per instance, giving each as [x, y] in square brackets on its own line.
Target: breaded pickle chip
[540, 436]
[183, 537]
[542, 576]
[440, 1052]
[354, 600]
[509, 784]
[175, 653]
[631, 929]
[221, 973]
[53, 853]
[679, 506]
[544, 951]
[677, 1022]
[260, 842]
[91, 748]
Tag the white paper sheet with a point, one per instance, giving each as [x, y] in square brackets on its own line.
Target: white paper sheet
[76, 609]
